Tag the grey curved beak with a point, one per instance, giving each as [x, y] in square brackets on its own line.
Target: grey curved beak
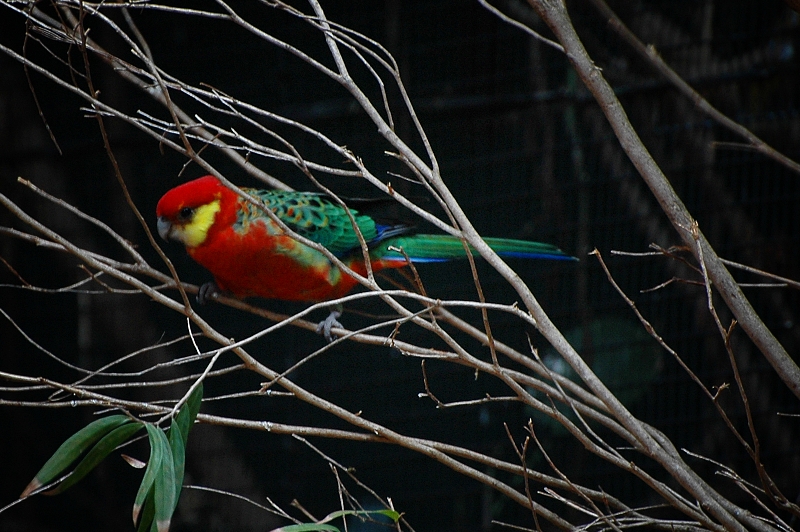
[164, 228]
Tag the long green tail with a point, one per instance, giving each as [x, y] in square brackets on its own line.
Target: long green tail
[441, 248]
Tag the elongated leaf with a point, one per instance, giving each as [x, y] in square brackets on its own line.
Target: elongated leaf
[97, 454]
[72, 448]
[322, 526]
[148, 511]
[179, 435]
[178, 448]
[394, 515]
[165, 479]
[146, 487]
[391, 514]
[307, 527]
[188, 413]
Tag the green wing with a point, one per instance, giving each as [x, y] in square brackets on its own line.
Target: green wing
[314, 216]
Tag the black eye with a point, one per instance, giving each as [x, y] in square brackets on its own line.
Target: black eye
[185, 214]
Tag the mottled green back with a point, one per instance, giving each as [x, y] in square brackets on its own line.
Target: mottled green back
[314, 216]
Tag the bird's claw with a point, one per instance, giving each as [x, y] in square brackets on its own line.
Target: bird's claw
[324, 327]
[207, 292]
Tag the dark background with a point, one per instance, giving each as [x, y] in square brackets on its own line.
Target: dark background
[527, 153]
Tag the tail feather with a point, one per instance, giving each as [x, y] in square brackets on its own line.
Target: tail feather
[441, 248]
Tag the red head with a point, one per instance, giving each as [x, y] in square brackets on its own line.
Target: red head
[188, 212]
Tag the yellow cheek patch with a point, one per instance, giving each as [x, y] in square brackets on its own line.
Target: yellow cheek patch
[194, 233]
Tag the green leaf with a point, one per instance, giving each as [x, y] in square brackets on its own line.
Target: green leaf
[307, 527]
[145, 488]
[71, 449]
[165, 479]
[391, 514]
[178, 449]
[164, 476]
[188, 413]
[97, 454]
[179, 435]
[394, 515]
[148, 511]
[322, 526]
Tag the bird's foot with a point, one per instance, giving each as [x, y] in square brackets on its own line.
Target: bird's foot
[324, 327]
[207, 292]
